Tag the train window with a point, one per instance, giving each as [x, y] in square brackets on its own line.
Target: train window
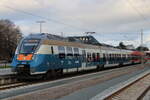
[94, 57]
[29, 45]
[109, 56]
[113, 56]
[89, 57]
[130, 56]
[104, 57]
[98, 57]
[69, 51]
[52, 49]
[76, 52]
[61, 51]
[126, 56]
[83, 53]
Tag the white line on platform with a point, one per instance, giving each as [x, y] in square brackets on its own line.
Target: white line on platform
[108, 92]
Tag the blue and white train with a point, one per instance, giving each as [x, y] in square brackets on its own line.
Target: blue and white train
[43, 54]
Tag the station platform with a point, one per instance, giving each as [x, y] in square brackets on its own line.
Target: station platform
[5, 71]
[92, 86]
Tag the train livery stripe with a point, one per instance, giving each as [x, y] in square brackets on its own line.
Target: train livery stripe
[63, 43]
[44, 49]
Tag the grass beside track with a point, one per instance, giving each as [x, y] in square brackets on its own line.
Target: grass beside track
[1, 67]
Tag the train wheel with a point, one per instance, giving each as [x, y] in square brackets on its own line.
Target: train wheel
[50, 74]
[120, 64]
[60, 72]
[47, 75]
[100, 67]
[132, 63]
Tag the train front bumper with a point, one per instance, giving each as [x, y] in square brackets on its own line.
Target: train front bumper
[26, 70]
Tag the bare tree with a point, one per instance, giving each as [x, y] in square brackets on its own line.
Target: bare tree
[142, 48]
[9, 36]
[121, 45]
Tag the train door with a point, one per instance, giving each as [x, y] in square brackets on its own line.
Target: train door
[70, 58]
[104, 58]
[84, 59]
[107, 58]
[77, 58]
[62, 56]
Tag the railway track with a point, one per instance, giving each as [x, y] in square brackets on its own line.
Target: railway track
[7, 79]
[68, 85]
[136, 90]
[16, 83]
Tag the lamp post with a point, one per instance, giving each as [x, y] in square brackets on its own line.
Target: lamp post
[41, 22]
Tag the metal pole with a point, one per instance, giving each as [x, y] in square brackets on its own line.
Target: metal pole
[40, 27]
[40, 22]
[141, 37]
[142, 57]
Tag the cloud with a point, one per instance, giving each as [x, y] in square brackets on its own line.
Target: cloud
[109, 18]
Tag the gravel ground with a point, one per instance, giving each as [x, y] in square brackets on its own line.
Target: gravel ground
[60, 91]
[133, 91]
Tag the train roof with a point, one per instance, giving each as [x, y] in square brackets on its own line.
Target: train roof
[46, 36]
[77, 41]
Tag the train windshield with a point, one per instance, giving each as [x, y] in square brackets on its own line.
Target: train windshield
[29, 46]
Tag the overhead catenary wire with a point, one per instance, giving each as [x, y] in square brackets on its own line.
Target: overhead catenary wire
[35, 15]
[59, 22]
[42, 17]
[138, 12]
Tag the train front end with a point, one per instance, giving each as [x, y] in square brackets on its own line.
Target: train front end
[26, 61]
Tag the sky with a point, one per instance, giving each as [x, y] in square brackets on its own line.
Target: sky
[112, 20]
